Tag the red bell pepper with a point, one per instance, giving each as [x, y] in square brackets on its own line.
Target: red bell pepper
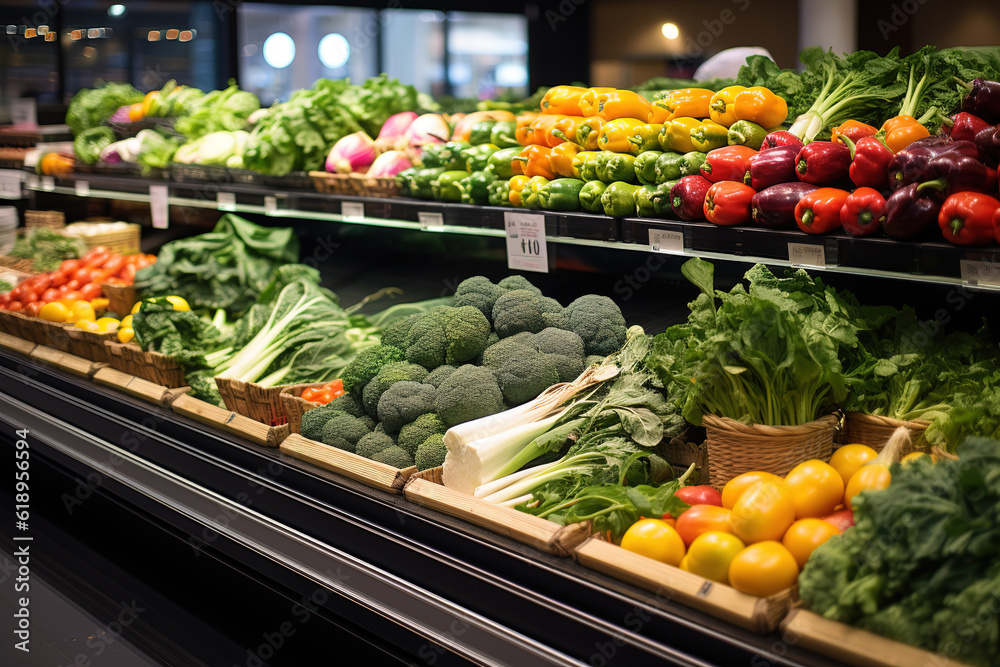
[728, 203]
[823, 162]
[964, 126]
[818, 212]
[728, 163]
[966, 218]
[780, 138]
[869, 163]
[863, 212]
[687, 197]
[996, 224]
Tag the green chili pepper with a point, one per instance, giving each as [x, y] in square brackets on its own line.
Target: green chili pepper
[445, 187]
[619, 199]
[590, 196]
[645, 166]
[562, 194]
[476, 158]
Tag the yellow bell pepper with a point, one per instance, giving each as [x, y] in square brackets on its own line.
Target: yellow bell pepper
[562, 157]
[579, 160]
[676, 135]
[690, 102]
[759, 105]
[614, 104]
[517, 185]
[709, 135]
[720, 108]
[588, 132]
[565, 100]
[616, 135]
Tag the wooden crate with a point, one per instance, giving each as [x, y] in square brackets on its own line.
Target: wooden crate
[672, 584]
[121, 298]
[138, 387]
[348, 464]
[67, 362]
[124, 241]
[230, 422]
[854, 646]
[90, 345]
[263, 404]
[16, 344]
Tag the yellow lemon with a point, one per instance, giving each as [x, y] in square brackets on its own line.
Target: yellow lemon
[54, 312]
[108, 324]
[87, 325]
[81, 310]
[127, 321]
[125, 334]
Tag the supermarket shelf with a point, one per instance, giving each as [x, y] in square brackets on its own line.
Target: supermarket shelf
[925, 262]
[418, 579]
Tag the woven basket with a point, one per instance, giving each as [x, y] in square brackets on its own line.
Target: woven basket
[198, 173]
[294, 406]
[338, 184]
[124, 242]
[48, 219]
[90, 345]
[120, 298]
[735, 448]
[380, 187]
[874, 431]
[432, 475]
[681, 453]
[36, 330]
[251, 400]
[16, 264]
[153, 366]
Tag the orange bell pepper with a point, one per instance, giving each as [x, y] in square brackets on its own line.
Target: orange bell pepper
[899, 132]
[523, 128]
[561, 159]
[535, 161]
[565, 129]
[565, 100]
[853, 130]
[540, 131]
[690, 102]
[614, 104]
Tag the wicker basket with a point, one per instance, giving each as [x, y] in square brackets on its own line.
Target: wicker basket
[153, 366]
[251, 400]
[124, 241]
[295, 180]
[294, 406]
[47, 219]
[874, 431]
[338, 184]
[36, 330]
[198, 173]
[120, 298]
[380, 186]
[735, 448]
[90, 345]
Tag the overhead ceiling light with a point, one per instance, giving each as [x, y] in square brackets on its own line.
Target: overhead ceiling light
[279, 50]
[116, 10]
[334, 50]
[670, 30]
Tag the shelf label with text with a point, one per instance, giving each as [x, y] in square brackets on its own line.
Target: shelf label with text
[352, 210]
[82, 188]
[807, 254]
[159, 206]
[428, 219]
[980, 272]
[226, 201]
[10, 183]
[24, 113]
[662, 240]
[270, 205]
[48, 183]
[526, 250]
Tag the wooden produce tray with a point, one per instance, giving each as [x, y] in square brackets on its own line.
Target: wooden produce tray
[16, 344]
[230, 422]
[342, 462]
[67, 362]
[137, 387]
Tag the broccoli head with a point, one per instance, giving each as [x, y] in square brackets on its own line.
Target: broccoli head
[369, 361]
[396, 333]
[496, 354]
[403, 402]
[598, 321]
[431, 452]
[478, 292]
[469, 393]
[447, 336]
[525, 375]
[439, 375]
[564, 348]
[553, 313]
[368, 421]
[394, 456]
[414, 433]
[314, 420]
[343, 431]
[372, 443]
[400, 371]
[516, 282]
[517, 311]
[349, 404]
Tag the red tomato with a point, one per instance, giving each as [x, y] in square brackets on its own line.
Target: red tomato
[62, 289]
[128, 273]
[309, 394]
[841, 520]
[60, 278]
[72, 295]
[72, 285]
[94, 261]
[701, 519]
[41, 282]
[114, 264]
[97, 250]
[29, 296]
[90, 291]
[323, 396]
[699, 495]
[51, 294]
[14, 306]
[33, 308]
[70, 265]
[84, 275]
[4, 299]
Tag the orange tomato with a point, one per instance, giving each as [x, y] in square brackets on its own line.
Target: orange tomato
[90, 291]
[763, 569]
[309, 394]
[847, 459]
[700, 519]
[872, 477]
[763, 513]
[711, 554]
[805, 535]
[656, 539]
[323, 396]
[816, 488]
[735, 487]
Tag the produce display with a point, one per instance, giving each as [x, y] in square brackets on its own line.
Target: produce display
[46, 248]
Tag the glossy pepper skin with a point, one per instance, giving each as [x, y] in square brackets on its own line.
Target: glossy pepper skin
[661, 199]
[565, 129]
[588, 132]
[645, 166]
[759, 105]
[996, 225]
[964, 126]
[403, 181]
[863, 212]
[618, 199]
[535, 161]
[780, 138]
[690, 102]
[709, 135]
[721, 106]
[987, 141]
[562, 194]
[614, 104]
[687, 197]
[561, 159]
[522, 127]
[676, 135]
[420, 182]
[966, 218]
[616, 167]
[853, 130]
[728, 203]
[590, 196]
[822, 162]
[481, 132]
[983, 100]
[475, 187]
[585, 165]
[502, 163]
[447, 155]
[563, 100]
[499, 193]
[445, 187]
[901, 131]
[668, 167]
[910, 211]
[961, 173]
[746, 133]
[517, 185]
[616, 136]
[504, 133]
[646, 137]
[771, 167]
[910, 164]
[818, 212]
[691, 164]
[477, 157]
[869, 162]
[531, 194]
[644, 204]
[727, 164]
[774, 207]
[540, 131]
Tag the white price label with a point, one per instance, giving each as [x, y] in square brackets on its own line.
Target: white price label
[159, 206]
[981, 272]
[82, 188]
[661, 240]
[10, 184]
[428, 220]
[807, 254]
[526, 250]
[31, 181]
[270, 205]
[226, 201]
[24, 114]
[48, 183]
[352, 210]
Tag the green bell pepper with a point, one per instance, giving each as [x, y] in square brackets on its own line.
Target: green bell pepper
[420, 182]
[502, 134]
[447, 155]
[403, 180]
[646, 137]
[590, 196]
[531, 195]
[445, 187]
[501, 163]
[585, 165]
[746, 133]
[668, 167]
[475, 187]
[618, 199]
[616, 167]
[645, 166]
[477, 157]
[643, 197]
[691, 165]
[499, 192]
[481, 132]
[661, 200]
[562, 194]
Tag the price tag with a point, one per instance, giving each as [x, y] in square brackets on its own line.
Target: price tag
[661, 240]
[82, 188]
[526, 249]
[10, 184]
[24, 114]
[226, 201]
[352, 210]
[31, 182]
[807, 254]
[159, 206]
[48, 183]
[980, 273]
[270, 205]
[428, 220]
